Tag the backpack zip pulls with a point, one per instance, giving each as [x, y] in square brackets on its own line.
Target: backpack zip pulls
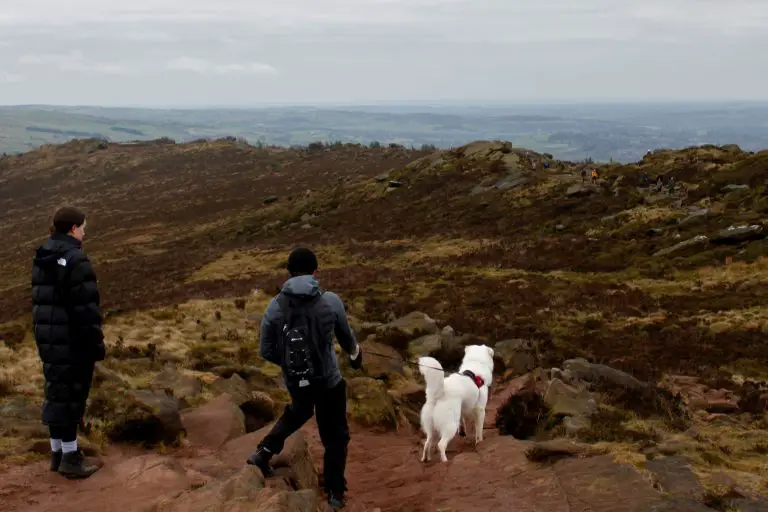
[301, 358]
[298, 357]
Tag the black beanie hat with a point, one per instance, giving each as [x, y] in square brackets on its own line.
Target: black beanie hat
[302, 261]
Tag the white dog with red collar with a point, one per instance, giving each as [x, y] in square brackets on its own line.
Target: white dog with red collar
[454, 399]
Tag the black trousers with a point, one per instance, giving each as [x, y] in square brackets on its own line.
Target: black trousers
[330, 406]
[67, 433]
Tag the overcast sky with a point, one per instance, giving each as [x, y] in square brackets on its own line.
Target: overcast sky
[246, 52]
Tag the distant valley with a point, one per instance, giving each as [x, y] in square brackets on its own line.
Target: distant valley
[622, 133]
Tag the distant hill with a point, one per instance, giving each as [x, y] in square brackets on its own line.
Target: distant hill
[621, 133]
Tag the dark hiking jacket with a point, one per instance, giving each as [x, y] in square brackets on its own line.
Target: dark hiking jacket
[332, 319]
[67, 325]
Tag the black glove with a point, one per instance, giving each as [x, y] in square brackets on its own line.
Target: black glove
[357, 363]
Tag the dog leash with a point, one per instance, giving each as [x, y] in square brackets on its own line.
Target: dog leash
[406, 361]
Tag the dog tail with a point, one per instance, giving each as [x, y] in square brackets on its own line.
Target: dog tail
[434, 375]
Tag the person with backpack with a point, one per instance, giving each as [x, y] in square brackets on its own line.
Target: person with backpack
[67, 327]
[297, 333]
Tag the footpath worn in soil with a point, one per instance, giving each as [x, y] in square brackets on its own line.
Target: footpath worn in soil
[384, 473]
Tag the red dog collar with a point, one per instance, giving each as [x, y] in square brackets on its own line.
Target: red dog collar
[478, 380]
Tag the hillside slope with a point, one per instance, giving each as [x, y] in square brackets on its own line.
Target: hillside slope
[398, 228]
[504, 245]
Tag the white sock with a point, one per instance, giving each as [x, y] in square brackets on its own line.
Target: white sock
[55, 445]
[69, 446]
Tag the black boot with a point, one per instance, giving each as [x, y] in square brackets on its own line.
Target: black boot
[55, 460]
[336, 500]
[261, 459]
[73, 465]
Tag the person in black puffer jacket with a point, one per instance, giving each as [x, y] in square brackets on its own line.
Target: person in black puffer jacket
[67, 325]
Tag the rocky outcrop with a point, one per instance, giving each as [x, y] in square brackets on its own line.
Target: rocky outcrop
[517, 356]
[673, 476]
[596, 373]
[381, 361]
[427, 345]
[146, 417]
[693, 244]
[739, 234]
[701, 398]
[215, 423]
[412, 325]
[369, 404]
[579, 190]
[502, 475]
[181, 385]
[565, 400]
[570, 400]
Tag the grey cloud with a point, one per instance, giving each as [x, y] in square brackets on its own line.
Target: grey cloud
[203, 66]
[74, 61]
[11, 78]
[239, 51]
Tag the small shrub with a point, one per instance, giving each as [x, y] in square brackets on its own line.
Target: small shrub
[13, 335]
[7, 387]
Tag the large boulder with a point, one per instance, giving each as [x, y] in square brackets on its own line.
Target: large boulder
[699, 397]
[427, 345]
[413, 324]
[688, 246]
[294, 463]
[146, 417]
[259, 407]
[181, 385]
[579, 190]
[234, 386]
[20, 416]
[517, 356]
[739, 234]
[369, 403]
[259, 410]
[381, 361]
[408, 398]
[237, 487]
[596, 373]
[521, 408]
[565, 400]
[214, 423]
[226, 494]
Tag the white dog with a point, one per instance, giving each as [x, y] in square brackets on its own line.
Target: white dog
[455, 399]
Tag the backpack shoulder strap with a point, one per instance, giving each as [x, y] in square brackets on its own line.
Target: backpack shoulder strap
[284, 302]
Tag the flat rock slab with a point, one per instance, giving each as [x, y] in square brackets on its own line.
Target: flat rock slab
[682, 505]
[674, 476]
[503, 479]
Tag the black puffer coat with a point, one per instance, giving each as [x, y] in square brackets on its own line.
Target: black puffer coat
[67, 320]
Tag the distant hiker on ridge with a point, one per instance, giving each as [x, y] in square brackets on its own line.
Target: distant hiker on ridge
[297, 333]
[583, 175]
[67, 325]
[594, 176]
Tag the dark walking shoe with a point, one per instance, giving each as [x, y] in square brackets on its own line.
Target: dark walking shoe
[73, 465]
[261, 459]
[336, 501]
[55, 460]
